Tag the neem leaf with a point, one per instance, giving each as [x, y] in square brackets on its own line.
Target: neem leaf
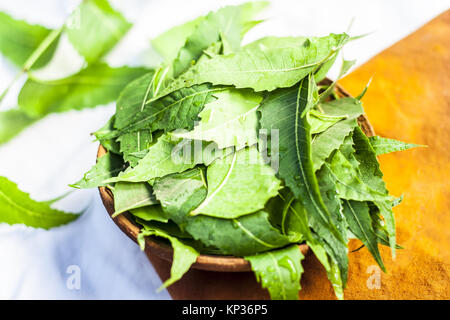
[230, 121]
[242, 173]
[134, 142]
[385, 145]
[18, 41]
[128, 195]
[132, 99]
[279, 271]
[100, 28]
[371, 175]
[106, 167]
[346, 65]
[349, 107]
[181, 193]
[331, 200]
[295, 218]
[262, 68]
[101, 134]
[320, 122]
[96, 84]
[160, 160]
[326, 142]
[177, 110]
[17, 207]
[183, 255]
[169, 43]
[12, 122]
[347, 179]
[360, 223]
[282, 110]
[230, 22]
[150, 213]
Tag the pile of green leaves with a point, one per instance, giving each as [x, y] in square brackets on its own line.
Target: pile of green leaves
[279, 158]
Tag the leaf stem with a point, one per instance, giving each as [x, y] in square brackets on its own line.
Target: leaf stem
[37, 53]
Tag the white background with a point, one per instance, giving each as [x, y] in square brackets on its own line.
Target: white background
[56, 151]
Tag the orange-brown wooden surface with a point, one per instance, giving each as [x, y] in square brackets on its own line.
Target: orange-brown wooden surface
[407, 100]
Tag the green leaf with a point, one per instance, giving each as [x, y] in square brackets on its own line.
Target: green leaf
[132, 99]
[96, 84]
[12, 122]
[295, 219]
[326, 142]
[348, 107]
[385, 145]
[160, 160]
[177, 110]
[169, 43]
[17, 207]
[101, 134]
[100, 28]
[262, 68]
[320, 122]
[129, 196]
[230, 121]
[348, 182]
[331, 139]
[18, 41]
[331, 200]
[106, 167]
[230, 22]
[134, 142]
[279, 271]
[150, 213]
[360, 223]
[282, 110]
[346, 65]
[371, 175]
[179, 194]
[183, 255]
[242, 173]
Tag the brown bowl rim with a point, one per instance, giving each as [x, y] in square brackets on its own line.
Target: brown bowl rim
[204, 261]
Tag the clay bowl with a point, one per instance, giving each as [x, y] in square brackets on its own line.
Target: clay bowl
[154, 246]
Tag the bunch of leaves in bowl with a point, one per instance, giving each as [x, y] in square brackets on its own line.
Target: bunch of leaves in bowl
[245, 151]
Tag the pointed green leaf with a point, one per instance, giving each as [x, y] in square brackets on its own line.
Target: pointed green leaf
[360, 223]
[17, 207]
[320, 122]
[279, 271]
[183, 255]
[282, 111]
[128, 195]
[179, 194]
[101, 134]
[231, 22]
[95, 28]
[243, 173]
[150, 213]
[18, 41]
[106, 167]
[134, 142]
[385, 145]
[230, 121]
[262, 68]
[96, 84]
[160, 160]
[12, 122]
[177, 110]
[371, 175]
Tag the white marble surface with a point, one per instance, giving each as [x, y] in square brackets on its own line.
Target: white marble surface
[56, 151]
